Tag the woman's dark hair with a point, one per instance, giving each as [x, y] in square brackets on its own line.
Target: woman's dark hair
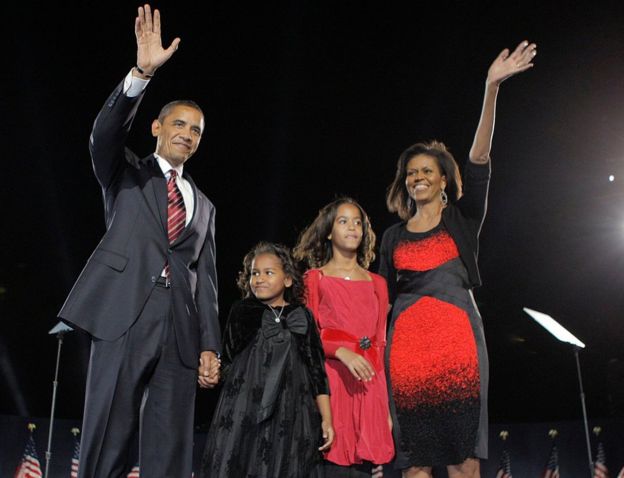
[293, 294]
[398, 199]
[315, 249]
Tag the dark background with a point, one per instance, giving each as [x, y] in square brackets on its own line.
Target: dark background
[306, 100]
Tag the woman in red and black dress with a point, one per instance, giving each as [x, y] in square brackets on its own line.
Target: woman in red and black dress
[437, 358]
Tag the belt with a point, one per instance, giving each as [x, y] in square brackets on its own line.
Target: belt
[365, 346]
[163, 282]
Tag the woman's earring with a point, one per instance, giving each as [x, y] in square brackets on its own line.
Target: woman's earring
[444, 197]
[410, 203]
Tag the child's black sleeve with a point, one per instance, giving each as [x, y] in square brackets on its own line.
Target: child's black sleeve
[312, 351]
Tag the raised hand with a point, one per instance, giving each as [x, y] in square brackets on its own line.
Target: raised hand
[150, 52]
[506, 65]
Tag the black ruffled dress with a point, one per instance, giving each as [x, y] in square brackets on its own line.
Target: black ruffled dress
[267, 423]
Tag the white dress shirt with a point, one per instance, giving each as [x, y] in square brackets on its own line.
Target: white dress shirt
[183, 185]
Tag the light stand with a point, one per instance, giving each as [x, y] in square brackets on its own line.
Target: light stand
[585, 422]
[59, 330]
[563, 335]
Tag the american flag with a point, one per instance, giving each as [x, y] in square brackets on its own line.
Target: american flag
[552, 467]
[134, 473]
[75, 458]
[504, 469]
[600, 464]
[29, 467]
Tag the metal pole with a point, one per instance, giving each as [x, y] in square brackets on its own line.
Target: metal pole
[585, 422]
[48, 453]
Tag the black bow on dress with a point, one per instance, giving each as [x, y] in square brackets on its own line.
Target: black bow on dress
[277, 331]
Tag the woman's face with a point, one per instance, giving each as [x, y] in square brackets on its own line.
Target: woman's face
[424, 179]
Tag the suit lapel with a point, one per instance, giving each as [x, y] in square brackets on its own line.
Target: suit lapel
[155, 190]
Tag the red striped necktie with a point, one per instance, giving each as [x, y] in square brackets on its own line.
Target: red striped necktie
[176, 212]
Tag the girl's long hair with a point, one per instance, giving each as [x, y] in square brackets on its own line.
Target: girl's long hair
[315, 249]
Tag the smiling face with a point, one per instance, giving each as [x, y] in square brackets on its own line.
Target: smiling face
[268, 281]
[178, 134]
[424, 179]
[347, 229]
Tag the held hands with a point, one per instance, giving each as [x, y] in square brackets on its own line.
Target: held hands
[208, 370]
[328, 435]
[506, 65]
[359, 367]
[150, 52]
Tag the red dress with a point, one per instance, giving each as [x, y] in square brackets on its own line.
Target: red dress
[352, 314]
[437, 357]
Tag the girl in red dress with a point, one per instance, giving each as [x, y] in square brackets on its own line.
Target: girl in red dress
[350, 305]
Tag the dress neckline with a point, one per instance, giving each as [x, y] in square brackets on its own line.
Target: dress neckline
[438, 227]
[344, 279]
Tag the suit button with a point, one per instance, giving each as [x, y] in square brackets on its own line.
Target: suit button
[153, 278]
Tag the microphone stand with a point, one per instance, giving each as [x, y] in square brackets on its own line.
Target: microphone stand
[59, 330]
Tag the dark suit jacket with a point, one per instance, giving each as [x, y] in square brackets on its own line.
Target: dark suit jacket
[120, 274]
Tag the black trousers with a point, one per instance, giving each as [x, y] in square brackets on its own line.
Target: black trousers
[137, 384]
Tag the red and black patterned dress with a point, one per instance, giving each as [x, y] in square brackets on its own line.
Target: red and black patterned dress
[436, 355]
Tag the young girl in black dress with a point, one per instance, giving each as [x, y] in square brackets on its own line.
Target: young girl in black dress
[273, 417]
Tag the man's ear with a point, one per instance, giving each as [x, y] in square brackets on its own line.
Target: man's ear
[156, 128]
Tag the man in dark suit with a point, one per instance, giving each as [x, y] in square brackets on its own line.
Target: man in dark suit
[148, 293]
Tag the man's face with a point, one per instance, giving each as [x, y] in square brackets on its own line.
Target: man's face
[179, 133]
